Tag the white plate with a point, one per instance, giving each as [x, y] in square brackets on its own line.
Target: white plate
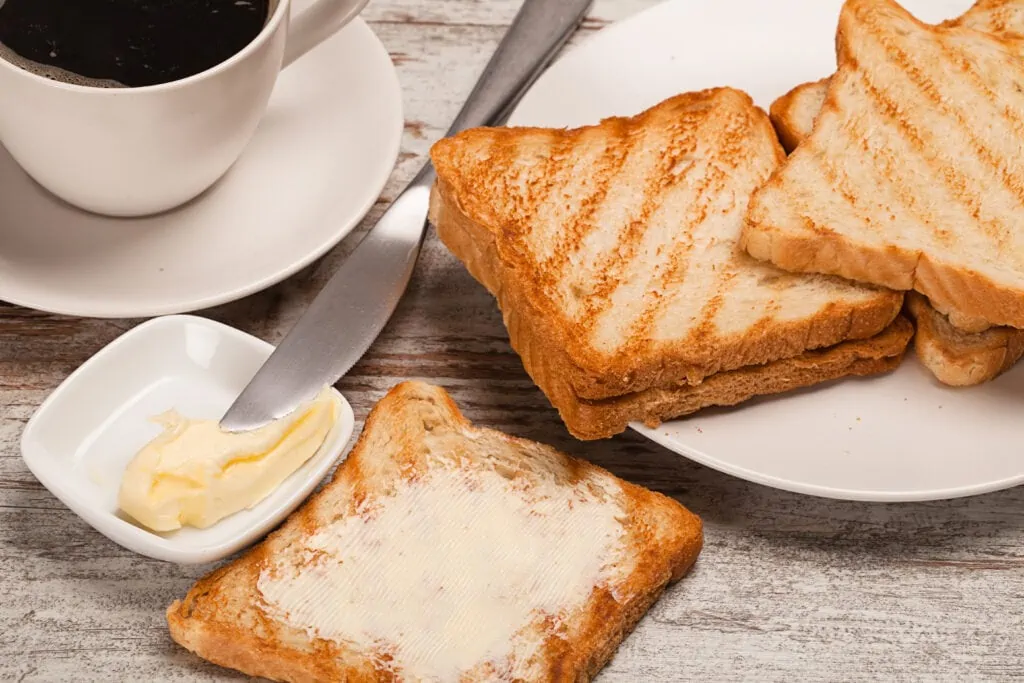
[82, 437]
[895, 438]
[314, 168]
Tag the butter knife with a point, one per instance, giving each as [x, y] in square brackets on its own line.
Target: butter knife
[355, 304]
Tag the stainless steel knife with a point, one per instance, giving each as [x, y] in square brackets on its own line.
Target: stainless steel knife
[353, 307]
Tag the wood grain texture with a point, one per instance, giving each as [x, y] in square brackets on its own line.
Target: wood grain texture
[789, 588]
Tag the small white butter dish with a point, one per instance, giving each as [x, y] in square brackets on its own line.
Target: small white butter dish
[82, 437]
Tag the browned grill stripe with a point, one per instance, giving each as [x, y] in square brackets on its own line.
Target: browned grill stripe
[499, 171]
[705, 325]
[541, 190]
[610, 270]
[999, 24]
[1009, 114]
[678, 263]
[571, 235]
[997, 20]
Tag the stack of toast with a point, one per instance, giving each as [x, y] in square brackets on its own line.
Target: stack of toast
[651, 266]
[444, 552]
[613, 253]
[959, 349]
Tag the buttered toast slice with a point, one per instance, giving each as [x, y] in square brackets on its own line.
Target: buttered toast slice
[612, 249]
[441, 551]
[911, 178]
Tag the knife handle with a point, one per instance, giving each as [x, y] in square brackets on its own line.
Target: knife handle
[538, 32]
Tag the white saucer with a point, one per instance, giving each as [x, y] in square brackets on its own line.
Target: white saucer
[316, 165]
[82, 437]
[897, 437]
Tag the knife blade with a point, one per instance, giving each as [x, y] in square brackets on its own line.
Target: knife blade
[348, 314]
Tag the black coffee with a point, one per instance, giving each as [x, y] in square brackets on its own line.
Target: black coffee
[128, 42]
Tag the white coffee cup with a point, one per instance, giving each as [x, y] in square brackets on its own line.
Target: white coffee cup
[139, 151]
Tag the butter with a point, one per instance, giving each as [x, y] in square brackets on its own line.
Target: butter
[196, 474]
[447, 574]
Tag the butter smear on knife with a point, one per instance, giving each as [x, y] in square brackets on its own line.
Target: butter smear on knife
[196, 474]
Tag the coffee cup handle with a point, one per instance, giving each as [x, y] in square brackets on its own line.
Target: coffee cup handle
[317, 24]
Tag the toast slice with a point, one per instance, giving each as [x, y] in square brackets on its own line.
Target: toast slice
[795, 112]
[920, 133]
[590, 419]
[612, 249]
[443, 551]
[958, 358]
[946, 340]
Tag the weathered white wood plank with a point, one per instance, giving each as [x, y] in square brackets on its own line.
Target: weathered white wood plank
[788, 588]
[484, 12]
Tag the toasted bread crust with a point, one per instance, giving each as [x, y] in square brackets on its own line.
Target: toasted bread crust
[601, 419]
[962, 322]
[789, 113]
[948, 287]
[957, 358]
[540, 328]
[222, 620]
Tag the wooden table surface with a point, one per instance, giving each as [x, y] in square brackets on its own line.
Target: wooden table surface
[788, 588]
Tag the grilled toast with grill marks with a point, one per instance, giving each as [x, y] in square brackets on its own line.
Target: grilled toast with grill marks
[612, 248]
[960, 350]
[911, 178]
[795, 112]
[444, 552]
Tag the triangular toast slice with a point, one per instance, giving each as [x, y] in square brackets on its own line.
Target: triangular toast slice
[612, 249]
[911, 178]
[960, 350]
[442, 551]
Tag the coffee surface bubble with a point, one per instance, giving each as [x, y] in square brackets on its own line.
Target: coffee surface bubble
[126, 43]
[54, 73]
